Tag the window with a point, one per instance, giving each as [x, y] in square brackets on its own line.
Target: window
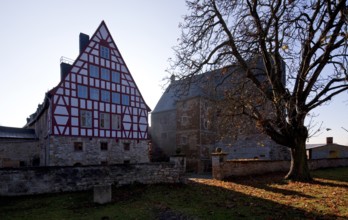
[125, 99]
[206, 123]
[103, 146]
[105, 74]
[115, 77]
[126, 146]
[116, 122]
[116, 98]
[104, 120]
[184, 120]
[184, 105]
[86, 119]
[94, 93]
[333, 154]
[93, 71]
[105, 52]
[78, 146]
[183, 140]
[82, 91]
[105, 96]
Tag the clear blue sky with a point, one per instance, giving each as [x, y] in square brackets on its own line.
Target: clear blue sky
[35, 34]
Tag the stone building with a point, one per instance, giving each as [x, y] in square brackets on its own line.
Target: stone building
[327, 150]
[187, 118]
[96, 114]
[18, 147]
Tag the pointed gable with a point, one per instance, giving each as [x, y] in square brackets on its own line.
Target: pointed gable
[99, 97]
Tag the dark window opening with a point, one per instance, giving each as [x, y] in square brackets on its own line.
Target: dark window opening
[126, 161]
[104, 146]
[78, 146]
[126, 146]
[36, 161]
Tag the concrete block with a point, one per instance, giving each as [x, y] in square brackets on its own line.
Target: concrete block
[102, 194]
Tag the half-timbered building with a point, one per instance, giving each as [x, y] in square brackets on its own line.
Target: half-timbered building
[96, 114]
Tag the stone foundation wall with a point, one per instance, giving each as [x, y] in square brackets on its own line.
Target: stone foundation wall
[222, 168]
[37, 180]
[14, 153]
[62, 152]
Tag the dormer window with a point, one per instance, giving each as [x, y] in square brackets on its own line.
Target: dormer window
[104, 52]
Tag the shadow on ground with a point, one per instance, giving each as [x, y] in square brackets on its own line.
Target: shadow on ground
[200, 198]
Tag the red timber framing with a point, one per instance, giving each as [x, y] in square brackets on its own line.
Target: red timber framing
[98, 97]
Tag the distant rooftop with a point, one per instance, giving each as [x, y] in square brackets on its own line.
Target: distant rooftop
[17, 133]
[200, 85]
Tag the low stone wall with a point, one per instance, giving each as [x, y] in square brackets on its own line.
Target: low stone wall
[315, 164]
[37, 180]
[222, 168]
[14, 153]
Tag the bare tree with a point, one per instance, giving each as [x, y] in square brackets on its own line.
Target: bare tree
[308, 38]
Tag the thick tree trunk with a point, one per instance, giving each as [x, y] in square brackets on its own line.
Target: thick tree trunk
[299, 170]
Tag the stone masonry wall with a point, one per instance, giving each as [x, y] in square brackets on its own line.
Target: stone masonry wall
[164, 135]
[17, 152]
[222, 168]
[37, 180]
[63, 153]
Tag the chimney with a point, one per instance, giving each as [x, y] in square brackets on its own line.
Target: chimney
[64, 70]
[84, 40]
[329, 140]
[172, 78]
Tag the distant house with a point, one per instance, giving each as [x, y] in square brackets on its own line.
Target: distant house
[328, 150]
[18, 147]
[186, 118]
[95, 115]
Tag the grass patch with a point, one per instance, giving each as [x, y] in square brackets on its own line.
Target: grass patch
[262, 197]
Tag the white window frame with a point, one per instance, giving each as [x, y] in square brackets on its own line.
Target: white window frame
[104, 120]
[86, 118]
[116, 122]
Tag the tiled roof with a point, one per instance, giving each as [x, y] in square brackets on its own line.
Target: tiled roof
[17, 133]
[209, 84]
[205, 85]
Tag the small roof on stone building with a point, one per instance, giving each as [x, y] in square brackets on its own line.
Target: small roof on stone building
[329, 142]
[316, 146]
[17, 133]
